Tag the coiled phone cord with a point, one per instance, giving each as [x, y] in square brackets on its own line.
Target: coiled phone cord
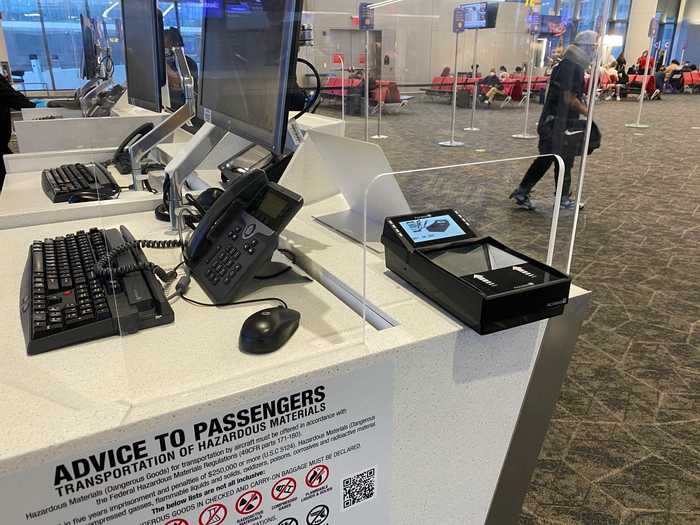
[104, 269]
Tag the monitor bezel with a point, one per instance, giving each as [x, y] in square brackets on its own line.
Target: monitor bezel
[155, 105]
[275, 141]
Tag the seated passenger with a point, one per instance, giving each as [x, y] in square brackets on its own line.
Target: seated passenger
[495, 86]
[664, 75]
[503, 73]
[614, 84]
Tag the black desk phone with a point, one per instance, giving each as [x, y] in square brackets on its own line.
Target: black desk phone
[238, 235]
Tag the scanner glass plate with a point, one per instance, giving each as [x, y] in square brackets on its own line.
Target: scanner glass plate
[468, 260]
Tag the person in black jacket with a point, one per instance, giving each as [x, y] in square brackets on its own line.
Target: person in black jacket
[9, 99]
[563, 106]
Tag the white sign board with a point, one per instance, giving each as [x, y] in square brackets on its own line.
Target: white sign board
[318, 455]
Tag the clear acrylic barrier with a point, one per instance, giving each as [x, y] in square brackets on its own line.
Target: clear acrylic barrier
[479, 191]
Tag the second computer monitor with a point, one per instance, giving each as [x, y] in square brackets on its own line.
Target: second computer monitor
[89, 70]
[145, 60]
[247, 52]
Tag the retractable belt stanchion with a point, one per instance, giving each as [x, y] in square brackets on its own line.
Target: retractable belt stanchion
[343, 87]
[452, 143]
[380, 102]
[645, 79]
[475, 93]
[525, 134]
[367, 86]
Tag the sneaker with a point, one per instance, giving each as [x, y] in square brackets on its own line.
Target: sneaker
[522, 199]
[617, 98]
[567, 203]
[656, 94]
[609, 97]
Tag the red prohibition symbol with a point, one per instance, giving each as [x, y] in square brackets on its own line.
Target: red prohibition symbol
[248, 502]
[213, 514]
[177, 521]
[317, 476]
[284, 489]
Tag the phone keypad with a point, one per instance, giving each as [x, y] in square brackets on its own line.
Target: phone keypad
[224, 262]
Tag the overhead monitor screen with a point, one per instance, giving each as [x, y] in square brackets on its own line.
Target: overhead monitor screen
[432, 228]
[246, 59]
[475, 15]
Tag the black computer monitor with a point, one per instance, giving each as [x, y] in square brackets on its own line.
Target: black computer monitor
[89, 70]
[248, 53]
[144, 53]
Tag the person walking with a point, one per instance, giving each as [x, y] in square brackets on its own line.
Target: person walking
[563, 105]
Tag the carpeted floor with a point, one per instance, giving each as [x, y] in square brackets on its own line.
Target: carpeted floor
[623, 447]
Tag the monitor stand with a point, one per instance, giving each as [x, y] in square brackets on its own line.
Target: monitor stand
[168, 126]
[187, 160]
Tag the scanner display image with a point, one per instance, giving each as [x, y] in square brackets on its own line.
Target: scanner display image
[483, 283]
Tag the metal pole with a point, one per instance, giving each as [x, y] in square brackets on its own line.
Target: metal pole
[46, 44]
[644, 90]
[476, 84]
[452, 143]
[342, 86]
[525, 134]
[593, 86]
[367, 86]
[379, 135]
[177, 15]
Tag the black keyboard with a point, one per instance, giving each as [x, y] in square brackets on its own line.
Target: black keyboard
[77, 182]
[63, 302]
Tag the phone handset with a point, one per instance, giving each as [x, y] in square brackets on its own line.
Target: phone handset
[236, 197]
[121, 159]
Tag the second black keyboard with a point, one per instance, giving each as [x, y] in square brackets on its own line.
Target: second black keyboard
[77, 182]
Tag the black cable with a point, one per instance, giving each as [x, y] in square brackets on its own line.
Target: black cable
[104, 269]
[234, 303]
[94, 196]
[317, 94]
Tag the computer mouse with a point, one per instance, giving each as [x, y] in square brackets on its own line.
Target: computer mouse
[268, 330]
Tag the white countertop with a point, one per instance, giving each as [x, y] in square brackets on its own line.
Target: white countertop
[68, 393]
[65, 395]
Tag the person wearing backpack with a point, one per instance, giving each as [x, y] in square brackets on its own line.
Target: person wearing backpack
[562, 108]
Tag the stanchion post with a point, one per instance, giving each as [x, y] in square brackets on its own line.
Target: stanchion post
[367, 85]
[525, 134]
[343, 87]
[475, 94]
[638, 124]
[380, 101]
[452, 143]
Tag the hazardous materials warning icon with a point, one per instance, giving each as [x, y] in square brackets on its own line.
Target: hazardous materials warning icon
[177, 521]
[318, 515]
[213, 514]
[317, 476]
[284, 489]
[289, 521]
[248, 502]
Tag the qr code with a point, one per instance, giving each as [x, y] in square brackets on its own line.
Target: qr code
[359, 487]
